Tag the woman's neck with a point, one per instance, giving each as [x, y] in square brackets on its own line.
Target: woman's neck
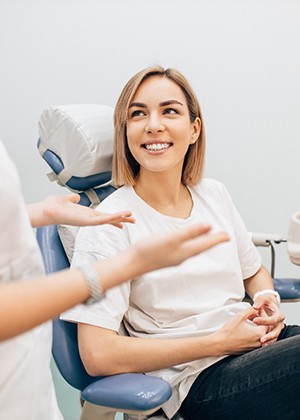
[166, 194]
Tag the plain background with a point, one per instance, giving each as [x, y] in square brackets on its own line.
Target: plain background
[241, 56]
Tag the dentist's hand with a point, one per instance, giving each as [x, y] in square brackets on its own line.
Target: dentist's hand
[158, 251]
[173, 248]
[63, 209]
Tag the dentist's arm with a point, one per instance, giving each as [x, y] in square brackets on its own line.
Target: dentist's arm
[26, 304]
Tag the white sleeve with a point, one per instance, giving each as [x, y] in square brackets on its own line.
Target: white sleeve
[94, 243]
[108, 313]
[250, 259]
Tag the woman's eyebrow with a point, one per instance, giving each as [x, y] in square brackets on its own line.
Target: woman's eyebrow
[164, 103]
[137, 104]
[170, 102]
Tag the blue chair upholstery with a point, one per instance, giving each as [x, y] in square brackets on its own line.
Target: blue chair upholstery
[288, 288]
[75, 182]
[128, 393]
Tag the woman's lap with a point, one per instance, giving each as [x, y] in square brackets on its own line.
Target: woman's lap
[264, 383]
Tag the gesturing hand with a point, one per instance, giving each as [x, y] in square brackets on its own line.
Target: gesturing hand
[63, 209]
[173, 248]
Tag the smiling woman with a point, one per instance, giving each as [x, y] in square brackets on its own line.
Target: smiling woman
[160, 127]
[159, 133]
[188, 325]
[130, 108]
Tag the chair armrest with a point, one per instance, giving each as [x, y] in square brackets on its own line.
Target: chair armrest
[128, 391]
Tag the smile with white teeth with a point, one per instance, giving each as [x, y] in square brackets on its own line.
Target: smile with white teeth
[156, 146]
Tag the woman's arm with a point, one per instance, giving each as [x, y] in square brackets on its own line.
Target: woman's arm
[261, 280]
[267, 305]
[26, 304]
[63, 209]
[104, 352]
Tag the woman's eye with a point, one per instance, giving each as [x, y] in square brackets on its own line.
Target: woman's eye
[137, 113]
[170, 111]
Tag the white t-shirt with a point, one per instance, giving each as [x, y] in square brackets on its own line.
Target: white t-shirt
[194, 299]
[26, 387]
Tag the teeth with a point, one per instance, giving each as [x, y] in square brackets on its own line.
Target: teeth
[157, 146]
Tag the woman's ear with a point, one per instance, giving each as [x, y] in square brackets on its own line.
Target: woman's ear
[196, 130]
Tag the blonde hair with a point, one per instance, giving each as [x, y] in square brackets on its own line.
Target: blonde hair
[125, 167]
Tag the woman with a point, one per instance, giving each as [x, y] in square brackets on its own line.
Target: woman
[185, 322]
[28, 299]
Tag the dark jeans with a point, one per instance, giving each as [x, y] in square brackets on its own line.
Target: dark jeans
[262, 384]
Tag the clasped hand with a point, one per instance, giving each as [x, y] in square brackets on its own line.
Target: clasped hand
[270, 315]
[257, 326]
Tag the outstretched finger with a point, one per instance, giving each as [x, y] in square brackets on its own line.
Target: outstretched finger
[74, 198]
[199, 243]
[212, 239]
[116, 219]
[192, 232]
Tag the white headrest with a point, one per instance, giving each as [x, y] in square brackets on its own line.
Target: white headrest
[80, 135]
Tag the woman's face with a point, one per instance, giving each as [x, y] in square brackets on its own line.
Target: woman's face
[159, 130]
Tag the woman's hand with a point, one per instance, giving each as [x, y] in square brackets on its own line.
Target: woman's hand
[269, 314]
[240, 334]
[63, 209]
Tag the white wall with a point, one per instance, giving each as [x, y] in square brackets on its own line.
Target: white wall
[241, 56]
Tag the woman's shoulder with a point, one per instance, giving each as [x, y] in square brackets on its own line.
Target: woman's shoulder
[211, 189]
[210, 185]
[117, 200]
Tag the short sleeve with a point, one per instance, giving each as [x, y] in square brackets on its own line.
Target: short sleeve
[108, 313]
[250, 259]
[92, 244]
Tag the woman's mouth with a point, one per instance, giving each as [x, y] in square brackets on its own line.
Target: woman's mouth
[156, 147]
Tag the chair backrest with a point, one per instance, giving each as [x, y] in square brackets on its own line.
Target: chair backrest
[76, 142]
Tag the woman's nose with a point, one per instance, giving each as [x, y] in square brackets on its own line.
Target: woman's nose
[154, 124]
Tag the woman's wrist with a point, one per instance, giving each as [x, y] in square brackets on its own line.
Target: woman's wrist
[217, 342]
[266, 292]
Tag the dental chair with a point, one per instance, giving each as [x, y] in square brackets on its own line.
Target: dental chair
[103, 397]
[76, 142]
